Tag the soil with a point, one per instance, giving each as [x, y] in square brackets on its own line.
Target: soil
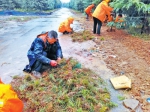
[126, 55]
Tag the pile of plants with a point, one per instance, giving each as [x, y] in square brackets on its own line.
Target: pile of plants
[81, 36]
[21, 19]
[67, 88]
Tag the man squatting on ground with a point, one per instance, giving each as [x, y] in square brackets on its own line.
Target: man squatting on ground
[64, 27]
[45, 51]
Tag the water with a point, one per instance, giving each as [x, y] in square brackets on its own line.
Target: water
[82, 52]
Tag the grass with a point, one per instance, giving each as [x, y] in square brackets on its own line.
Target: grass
[21, 19]
[81, 36]
[102, 39]
[121, 98]
[144, 36]
[67, 88]
[34, 10]
[136, 32]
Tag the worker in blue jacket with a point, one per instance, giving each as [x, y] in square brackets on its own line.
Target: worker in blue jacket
[45, 50]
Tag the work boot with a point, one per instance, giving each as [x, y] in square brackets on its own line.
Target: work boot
[36, 74]
[27, 69]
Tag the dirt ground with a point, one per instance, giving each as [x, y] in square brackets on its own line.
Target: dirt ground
[127, 55]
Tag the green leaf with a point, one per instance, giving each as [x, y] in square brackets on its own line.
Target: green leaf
[70, 103]
[22, 87]
[51, 76]
[121, 98]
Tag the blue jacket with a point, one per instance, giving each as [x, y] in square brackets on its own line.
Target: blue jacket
[38, 51]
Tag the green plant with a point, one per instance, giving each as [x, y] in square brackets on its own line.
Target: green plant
[102, 38]
[111, 105]
[66, 88]
[136, 13]
[15, 77]
[81, 36]
[121, 98]
[20, 19]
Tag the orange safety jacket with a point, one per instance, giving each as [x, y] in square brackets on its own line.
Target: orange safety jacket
[118, 19]
[88, 9]
[65, 26]
[9, 101]
[102, 10]
[62, 27]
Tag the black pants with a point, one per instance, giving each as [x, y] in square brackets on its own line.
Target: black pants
[39, 66]
[65, 32]
[87, 16]
[95, 27]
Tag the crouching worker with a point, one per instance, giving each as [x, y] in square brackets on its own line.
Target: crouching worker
[119, 18]
[45, 52]
[88, 11]
[65, 26]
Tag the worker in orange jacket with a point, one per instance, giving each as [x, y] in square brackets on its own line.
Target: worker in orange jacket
[88, 11]
[119, 18]
[64, 27]
[99, 16]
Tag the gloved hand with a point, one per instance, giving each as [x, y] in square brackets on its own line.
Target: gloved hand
[53, 63]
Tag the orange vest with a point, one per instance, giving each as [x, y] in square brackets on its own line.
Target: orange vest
[61, 27]
[43, 36]
[89, 8]
[65, 26]
[102, 10]
[118, 19]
